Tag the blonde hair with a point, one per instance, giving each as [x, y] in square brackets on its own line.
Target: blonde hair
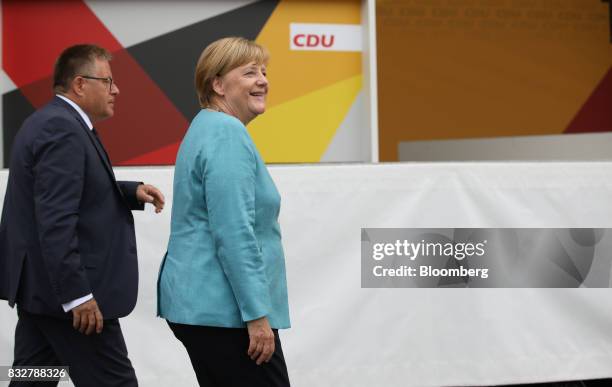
[221, 57]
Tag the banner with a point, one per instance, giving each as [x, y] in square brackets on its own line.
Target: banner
[345, 335]
[465, 69]
[315, 110]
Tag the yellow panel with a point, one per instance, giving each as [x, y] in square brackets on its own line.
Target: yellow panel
[301, 129]
[295, 73]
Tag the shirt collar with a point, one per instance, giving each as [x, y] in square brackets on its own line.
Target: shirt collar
[78, 109]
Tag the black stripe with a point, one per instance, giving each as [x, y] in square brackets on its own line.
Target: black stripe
[15, 109]
[170, 59]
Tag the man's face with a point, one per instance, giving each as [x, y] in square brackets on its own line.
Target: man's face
[98, 99]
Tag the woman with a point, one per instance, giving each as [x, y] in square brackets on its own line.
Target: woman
[222, 285]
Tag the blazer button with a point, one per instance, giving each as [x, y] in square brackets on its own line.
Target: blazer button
[133, 249]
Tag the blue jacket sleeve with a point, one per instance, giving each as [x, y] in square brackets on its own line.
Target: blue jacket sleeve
[229, 189]
[59, 162]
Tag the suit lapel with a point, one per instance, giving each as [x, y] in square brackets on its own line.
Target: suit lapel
[101, 151]
[97, 145]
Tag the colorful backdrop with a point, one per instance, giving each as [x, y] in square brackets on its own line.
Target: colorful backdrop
[315, 104]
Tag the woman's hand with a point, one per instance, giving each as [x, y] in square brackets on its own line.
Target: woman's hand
[261, 340]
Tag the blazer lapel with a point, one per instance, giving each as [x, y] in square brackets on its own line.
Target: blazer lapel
[97, 144]
[101, 151]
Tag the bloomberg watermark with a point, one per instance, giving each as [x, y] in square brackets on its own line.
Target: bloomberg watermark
[485, 258]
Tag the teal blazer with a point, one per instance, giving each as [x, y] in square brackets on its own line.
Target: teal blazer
[225, 263]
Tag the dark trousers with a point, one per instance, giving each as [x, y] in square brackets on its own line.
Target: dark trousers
[219, 357]
[96, 360]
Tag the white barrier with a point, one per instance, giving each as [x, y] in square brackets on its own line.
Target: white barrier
[344, 335]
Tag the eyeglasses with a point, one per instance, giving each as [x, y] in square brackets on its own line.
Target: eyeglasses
[108, 80]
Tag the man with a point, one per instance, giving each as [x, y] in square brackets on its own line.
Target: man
[67, 242]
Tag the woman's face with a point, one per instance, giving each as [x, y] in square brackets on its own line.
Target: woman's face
[243, 91]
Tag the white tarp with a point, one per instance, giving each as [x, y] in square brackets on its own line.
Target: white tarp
[344, 335]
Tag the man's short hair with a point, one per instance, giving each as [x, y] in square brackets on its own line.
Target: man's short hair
[76, 60]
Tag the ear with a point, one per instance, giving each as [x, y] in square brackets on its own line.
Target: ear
[77, 85]
[217, 85]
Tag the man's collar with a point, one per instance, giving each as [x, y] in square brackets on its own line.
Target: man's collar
[78, 109]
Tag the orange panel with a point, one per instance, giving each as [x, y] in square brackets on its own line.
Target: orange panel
[466, 69]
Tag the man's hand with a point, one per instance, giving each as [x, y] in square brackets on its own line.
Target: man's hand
[87, 317]
[147, 193]
[261, 340]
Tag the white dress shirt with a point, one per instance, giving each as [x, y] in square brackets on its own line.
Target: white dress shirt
[78, 109]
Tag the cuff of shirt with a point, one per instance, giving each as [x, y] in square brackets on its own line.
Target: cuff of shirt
[74, 303]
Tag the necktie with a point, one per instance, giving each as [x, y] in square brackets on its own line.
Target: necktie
[95, 133]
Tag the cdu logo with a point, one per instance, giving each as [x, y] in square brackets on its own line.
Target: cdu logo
[325, 37]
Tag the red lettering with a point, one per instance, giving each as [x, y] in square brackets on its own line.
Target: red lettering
[330, 43]
[298, 40]
[312, 40]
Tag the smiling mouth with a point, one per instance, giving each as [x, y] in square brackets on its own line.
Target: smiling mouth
[260, 94]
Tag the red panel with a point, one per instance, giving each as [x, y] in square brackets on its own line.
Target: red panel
[596, 114]
[163, 156]
[35, 32]
[144, 119]
[39, 92]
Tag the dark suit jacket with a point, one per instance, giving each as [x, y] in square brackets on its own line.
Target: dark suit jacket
[67, 228]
